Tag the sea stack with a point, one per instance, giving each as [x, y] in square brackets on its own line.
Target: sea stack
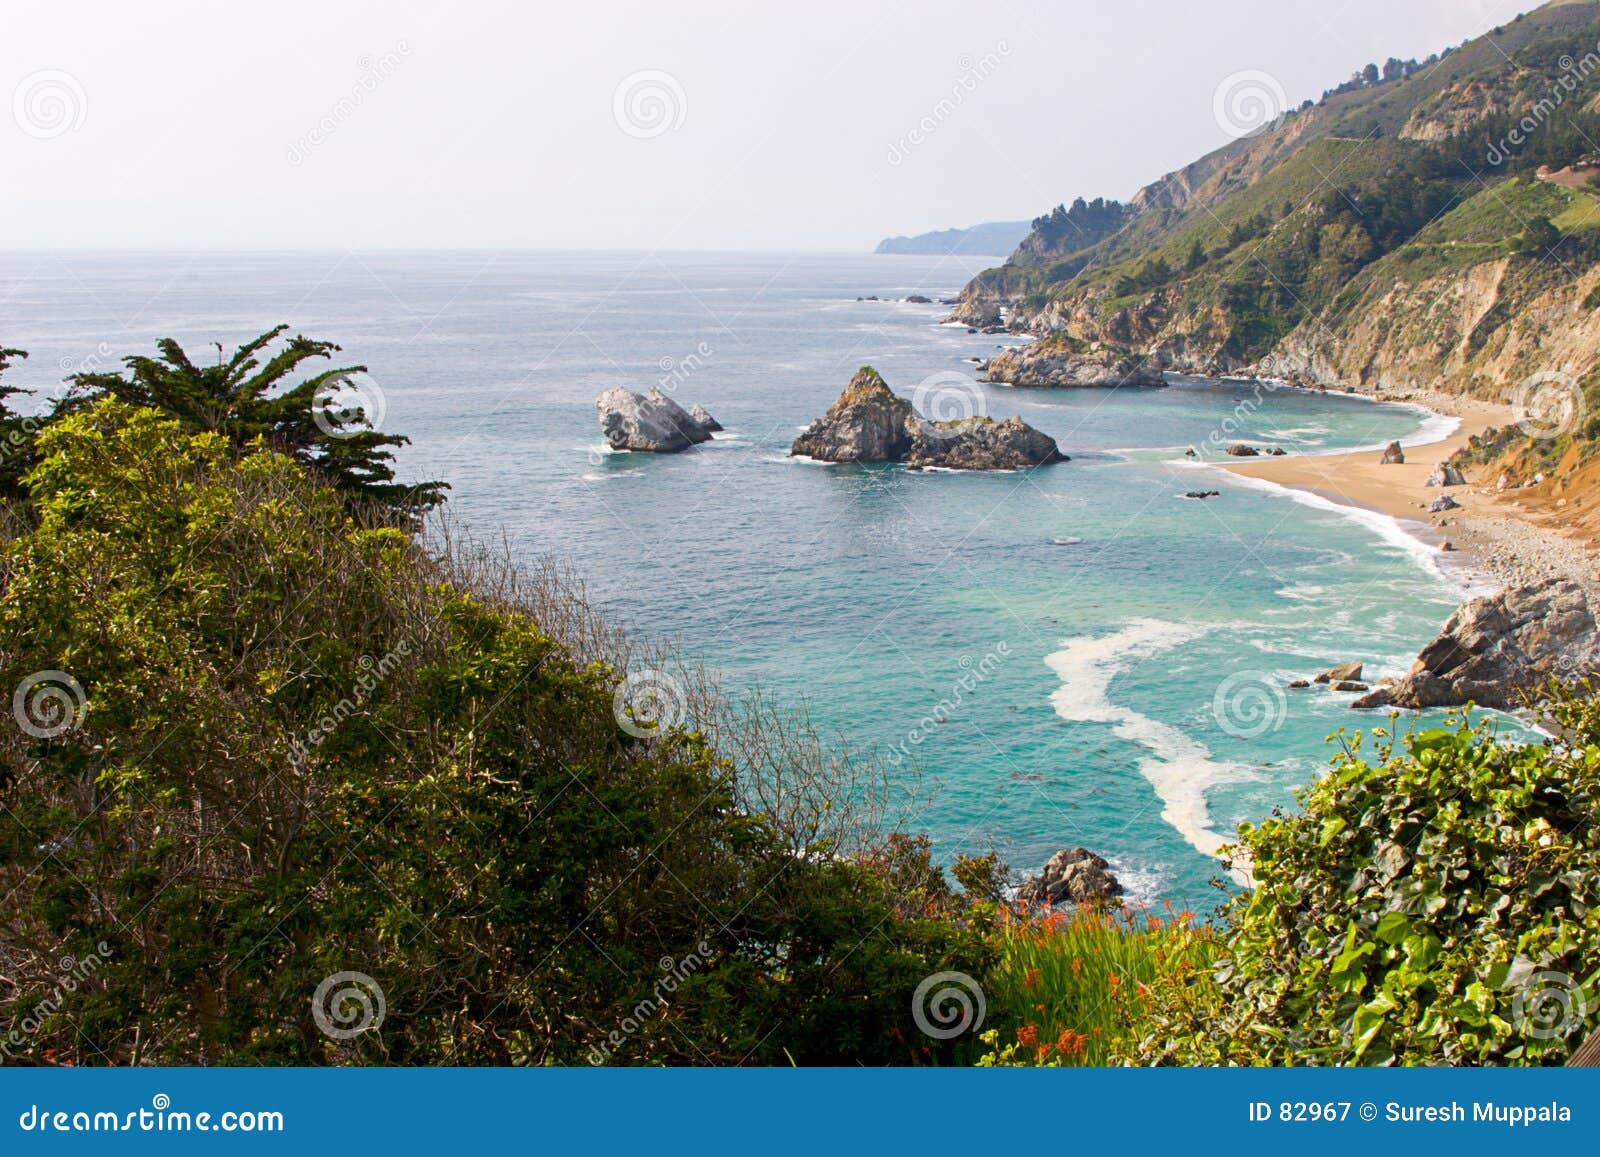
[869, 423]
[651, 423]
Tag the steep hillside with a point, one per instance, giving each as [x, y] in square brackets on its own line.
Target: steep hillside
[1322, 246]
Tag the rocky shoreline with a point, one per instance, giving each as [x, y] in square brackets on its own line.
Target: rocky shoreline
[1062, 362]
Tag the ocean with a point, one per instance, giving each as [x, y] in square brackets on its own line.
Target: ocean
[1073, 655]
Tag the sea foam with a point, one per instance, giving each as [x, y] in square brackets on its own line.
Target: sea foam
[1179, 768]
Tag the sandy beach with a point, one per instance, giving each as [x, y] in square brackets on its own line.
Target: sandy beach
[1494, 537]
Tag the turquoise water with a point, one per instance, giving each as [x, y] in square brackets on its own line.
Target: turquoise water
[1074, 655]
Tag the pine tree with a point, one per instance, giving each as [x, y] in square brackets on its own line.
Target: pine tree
[248, 400]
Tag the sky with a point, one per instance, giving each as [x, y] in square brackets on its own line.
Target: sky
[671, 126]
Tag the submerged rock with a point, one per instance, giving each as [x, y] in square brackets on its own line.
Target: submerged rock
[1496, 650]
[1060, 361]
[1075, 876]
[652, 423]
[869, 423]
[1240, 450]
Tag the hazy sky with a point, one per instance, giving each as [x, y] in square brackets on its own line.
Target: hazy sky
[672, 125]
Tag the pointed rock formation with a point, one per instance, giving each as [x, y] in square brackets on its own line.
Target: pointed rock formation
[869, 423]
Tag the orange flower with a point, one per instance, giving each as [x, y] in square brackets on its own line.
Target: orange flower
[1028, 1036]
[1031, 980]
[1072, 1044]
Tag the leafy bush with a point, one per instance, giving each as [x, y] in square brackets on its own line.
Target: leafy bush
[286, 744]
[1435, 906]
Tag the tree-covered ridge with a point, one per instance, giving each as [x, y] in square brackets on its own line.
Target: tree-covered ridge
[1217, 263]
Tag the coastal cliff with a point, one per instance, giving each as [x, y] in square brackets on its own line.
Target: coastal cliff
[1432, 224]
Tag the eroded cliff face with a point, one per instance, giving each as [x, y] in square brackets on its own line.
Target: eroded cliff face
[1484, 330]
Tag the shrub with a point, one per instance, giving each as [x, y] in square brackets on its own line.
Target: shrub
[285, 743]
[1435, 906]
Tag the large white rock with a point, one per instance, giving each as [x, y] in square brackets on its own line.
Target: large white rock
[651, 422]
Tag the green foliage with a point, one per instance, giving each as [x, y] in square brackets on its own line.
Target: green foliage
[1068, 990]
[16, 433]
[299, 745]
[249, 401]
[1432, 907]
[1539, 238]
